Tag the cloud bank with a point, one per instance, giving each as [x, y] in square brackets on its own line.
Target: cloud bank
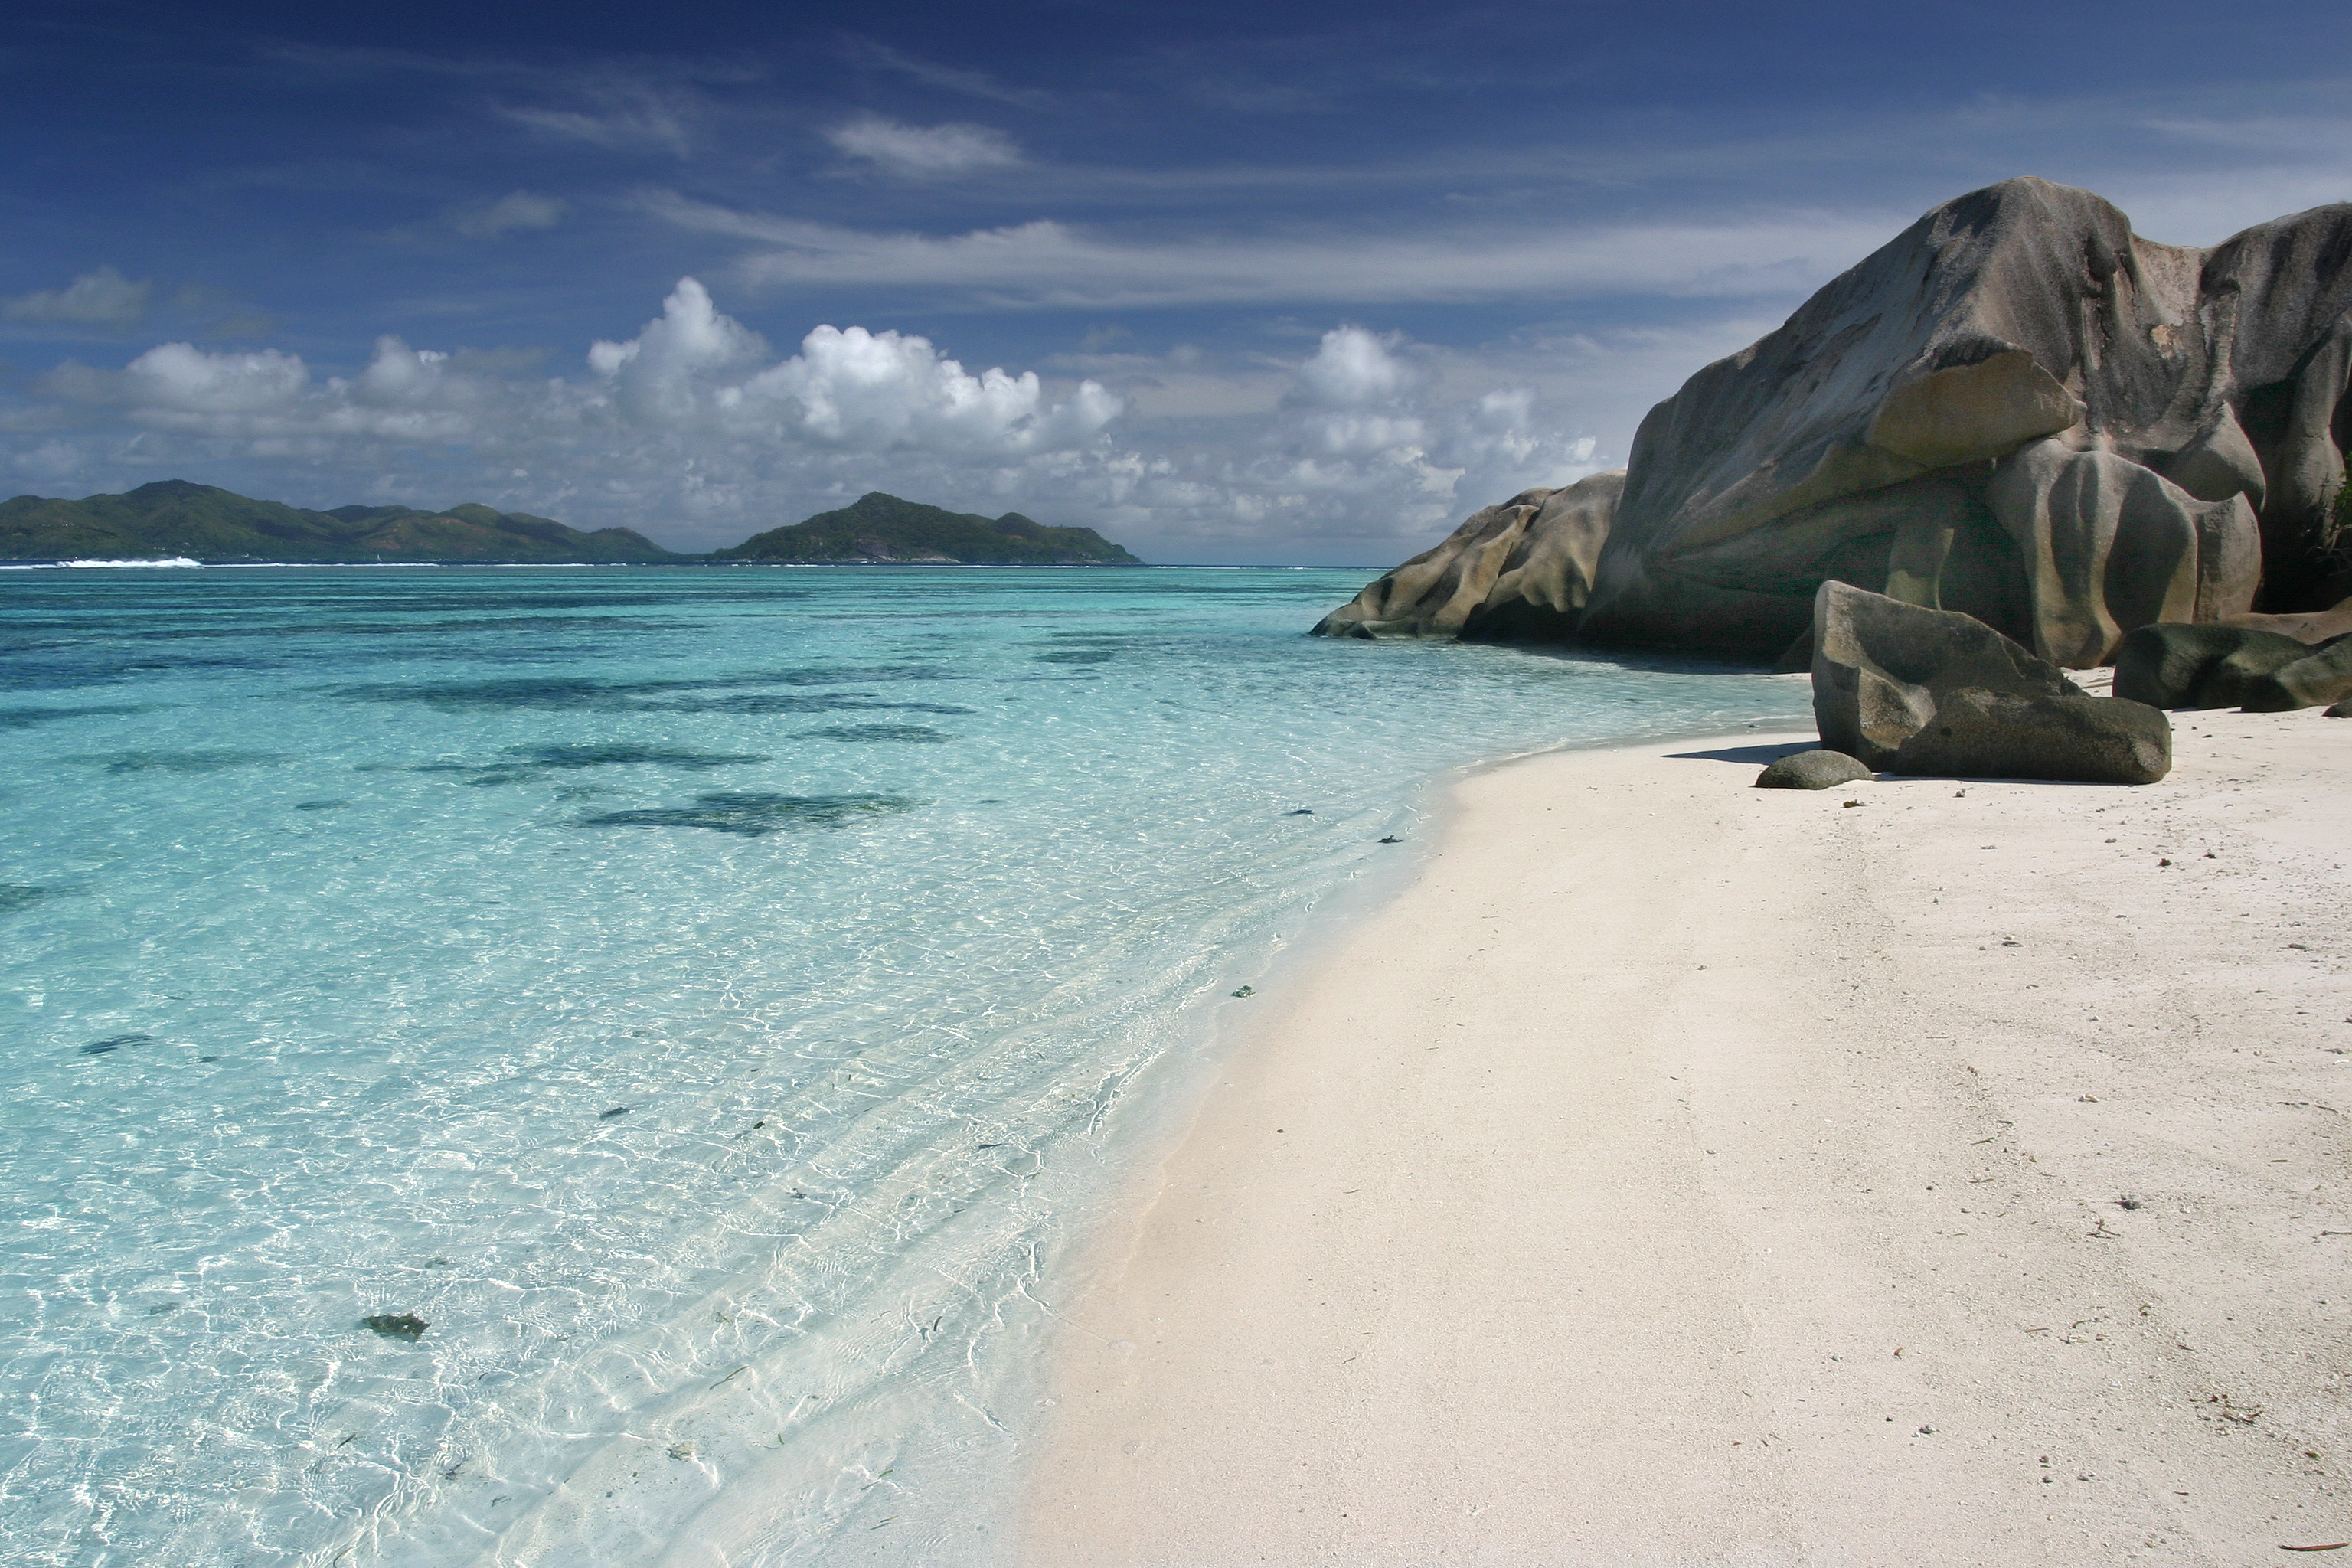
[696, 431]
[1051, 265]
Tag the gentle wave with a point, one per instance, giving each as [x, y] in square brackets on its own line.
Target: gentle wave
[173, 560]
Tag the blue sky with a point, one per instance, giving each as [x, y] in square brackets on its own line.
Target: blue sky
[1266, 282]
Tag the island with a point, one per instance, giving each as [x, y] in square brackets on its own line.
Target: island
[178, 518]
[203, 522]
[877, 529]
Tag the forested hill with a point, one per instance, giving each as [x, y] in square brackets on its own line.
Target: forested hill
[175, 518]
[878, 528]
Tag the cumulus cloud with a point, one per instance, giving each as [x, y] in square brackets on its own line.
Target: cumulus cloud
[847, 388]
[515, 211]
[1354, 367]
[103, 298]
[924, 151]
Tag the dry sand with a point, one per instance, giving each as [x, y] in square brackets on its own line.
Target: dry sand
[1679, 1172]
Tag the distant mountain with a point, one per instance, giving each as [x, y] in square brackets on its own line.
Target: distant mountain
[877, 528]
[174, 517]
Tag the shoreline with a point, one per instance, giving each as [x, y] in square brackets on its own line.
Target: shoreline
[1572, 1203]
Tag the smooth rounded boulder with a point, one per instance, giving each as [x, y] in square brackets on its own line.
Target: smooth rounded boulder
[1816, 769]
[2173, 664]
[1977, 733]
[2315, 680]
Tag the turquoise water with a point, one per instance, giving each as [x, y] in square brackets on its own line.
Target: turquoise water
[704, 997]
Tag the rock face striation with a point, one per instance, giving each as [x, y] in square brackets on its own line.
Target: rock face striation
[2017, 409]
[1915, 690]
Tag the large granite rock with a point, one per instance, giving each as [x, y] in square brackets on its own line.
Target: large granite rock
[2017, 409]
[2318, 679]
[1519, 571]
[2311, 626]
[1977, 733]
[1881, 668]
[2173, 665]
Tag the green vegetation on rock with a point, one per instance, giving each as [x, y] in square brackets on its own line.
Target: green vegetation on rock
[174, 517]
[877, 528]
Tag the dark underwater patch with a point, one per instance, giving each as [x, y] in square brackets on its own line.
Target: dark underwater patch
[218, 760]
[26, 718]
[537, 762]
[530, 691]
[600, 756]
[115, 1043]
[914, 734]
[15, 896]
[54, 670]
[1076, 656]
[795, 702]
[576, 691]
[319, 806]
[749, 814]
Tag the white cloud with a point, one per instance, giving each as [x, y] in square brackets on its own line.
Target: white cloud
[679, 368]
[848, 389]
[1054, 265]
[103, 298]
[625, 116]
[516, 210]
[924, 151]
[174, 379]
[1354, 367]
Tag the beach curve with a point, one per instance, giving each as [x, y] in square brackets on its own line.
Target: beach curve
[1682, 1172]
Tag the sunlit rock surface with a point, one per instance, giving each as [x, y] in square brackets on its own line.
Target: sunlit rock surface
[1520, 572]
[2017, 408]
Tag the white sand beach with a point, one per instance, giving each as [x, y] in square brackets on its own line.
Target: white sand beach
[1679, 1172]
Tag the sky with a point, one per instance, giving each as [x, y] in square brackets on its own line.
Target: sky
[1279, 283]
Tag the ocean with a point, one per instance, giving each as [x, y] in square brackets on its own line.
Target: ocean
[706, 1000]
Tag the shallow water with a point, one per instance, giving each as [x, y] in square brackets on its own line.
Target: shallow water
[701, 996]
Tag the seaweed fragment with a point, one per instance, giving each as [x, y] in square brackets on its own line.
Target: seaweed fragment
[396, 1326]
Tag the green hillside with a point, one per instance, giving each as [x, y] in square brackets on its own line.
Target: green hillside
[174, 517]
[878, 528]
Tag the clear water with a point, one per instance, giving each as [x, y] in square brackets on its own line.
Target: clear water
[701, 996]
